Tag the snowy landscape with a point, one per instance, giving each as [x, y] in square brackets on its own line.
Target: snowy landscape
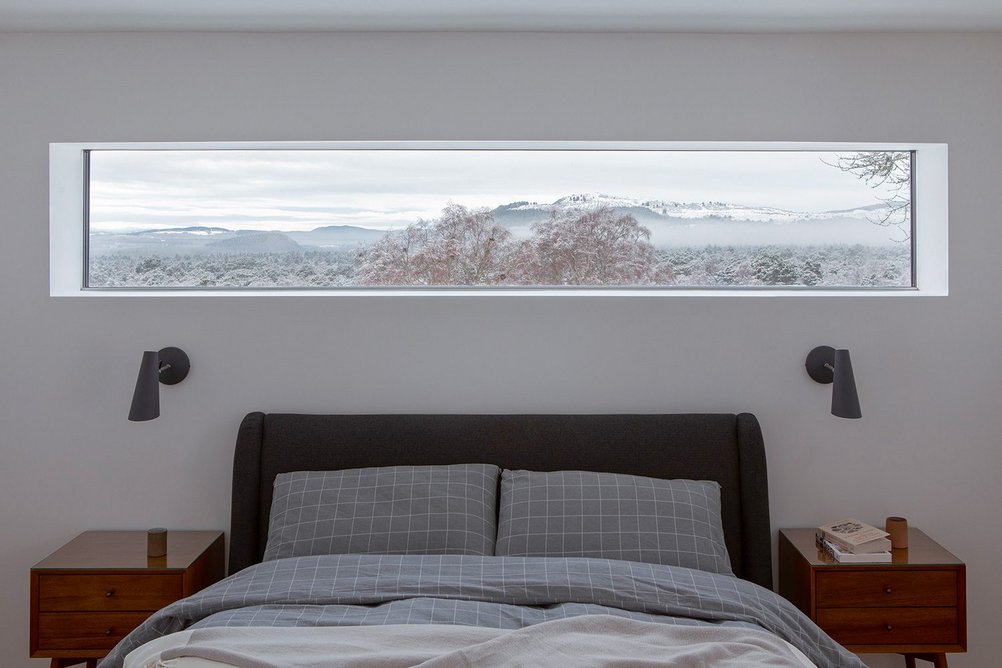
[590, 238]
[793, 249]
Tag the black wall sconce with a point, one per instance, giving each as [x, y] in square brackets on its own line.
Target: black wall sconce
[168, 366]
[827, 365]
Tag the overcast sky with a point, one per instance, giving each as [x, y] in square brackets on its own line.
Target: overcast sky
[304, 189]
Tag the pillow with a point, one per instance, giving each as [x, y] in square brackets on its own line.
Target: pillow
[385, 510]
[612, 516]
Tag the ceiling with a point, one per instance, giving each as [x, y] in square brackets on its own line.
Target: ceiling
[502, 15]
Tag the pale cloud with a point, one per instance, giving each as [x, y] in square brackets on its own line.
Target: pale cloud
[301, 190]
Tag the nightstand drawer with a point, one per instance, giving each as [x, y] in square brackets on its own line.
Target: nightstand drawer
[85, 631]
[886, 588]
[890, 626]
[108, 592]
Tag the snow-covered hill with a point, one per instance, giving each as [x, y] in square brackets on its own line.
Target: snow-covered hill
[254, 242]
[681, 210]
[704, 223]
[671, 224]
[202, 239]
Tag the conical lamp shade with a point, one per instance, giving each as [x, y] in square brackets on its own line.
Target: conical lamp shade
[845, 401]
[146, 398]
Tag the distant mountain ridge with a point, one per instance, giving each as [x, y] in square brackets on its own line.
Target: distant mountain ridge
[195, 229]
[197, 239]
[671, 223]
[335, 236]
[706, 223]
[677, 210]
[254, 242]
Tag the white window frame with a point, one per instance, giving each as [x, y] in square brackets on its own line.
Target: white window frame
[67, 167]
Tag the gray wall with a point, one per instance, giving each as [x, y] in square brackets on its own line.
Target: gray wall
[928, 368]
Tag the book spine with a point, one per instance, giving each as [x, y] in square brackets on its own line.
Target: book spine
[825, 547]
[834, 540]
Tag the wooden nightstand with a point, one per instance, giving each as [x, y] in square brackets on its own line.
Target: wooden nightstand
[914, 606]
[90, 593]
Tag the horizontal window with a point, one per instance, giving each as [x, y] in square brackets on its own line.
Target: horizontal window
[526, 217]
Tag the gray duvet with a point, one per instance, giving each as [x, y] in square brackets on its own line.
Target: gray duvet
[493, 592]
[588, 641]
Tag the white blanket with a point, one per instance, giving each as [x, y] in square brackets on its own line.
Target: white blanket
[594, 640]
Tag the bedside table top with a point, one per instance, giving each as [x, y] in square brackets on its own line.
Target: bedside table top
[921, 551]
[106, 550]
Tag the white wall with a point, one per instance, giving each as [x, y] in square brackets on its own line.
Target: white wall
[929, 369]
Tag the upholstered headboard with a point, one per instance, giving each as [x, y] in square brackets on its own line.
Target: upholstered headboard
[726, 448]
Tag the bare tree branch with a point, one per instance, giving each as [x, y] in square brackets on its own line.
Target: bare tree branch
[890, 171]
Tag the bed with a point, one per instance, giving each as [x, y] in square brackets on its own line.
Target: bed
[480, 609]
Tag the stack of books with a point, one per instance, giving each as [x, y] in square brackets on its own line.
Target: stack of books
[850, 541]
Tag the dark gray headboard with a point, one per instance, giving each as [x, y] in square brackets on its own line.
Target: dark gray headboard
[726, 448]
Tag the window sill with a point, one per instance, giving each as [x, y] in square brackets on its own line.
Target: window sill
[501, 292]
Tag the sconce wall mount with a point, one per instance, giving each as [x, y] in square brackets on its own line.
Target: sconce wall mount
[174, 365]
[821, 364]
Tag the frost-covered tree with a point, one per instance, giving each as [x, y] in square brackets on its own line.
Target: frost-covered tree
[596, 247]
[463, 247]
[775, 269]
[729, 274]
[811, 270]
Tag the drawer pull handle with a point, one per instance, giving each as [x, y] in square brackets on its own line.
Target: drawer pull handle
[109, 593]
[109, 631]
[887, 590]
[888, 627]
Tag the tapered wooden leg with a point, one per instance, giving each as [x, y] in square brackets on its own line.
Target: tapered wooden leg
[938, 660]
[92, 663]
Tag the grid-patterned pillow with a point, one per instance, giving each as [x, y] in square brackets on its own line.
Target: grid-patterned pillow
[612, 516]
[385, 510]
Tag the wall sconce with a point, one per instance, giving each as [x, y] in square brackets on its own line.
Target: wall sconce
[827, 365]
[168, 366]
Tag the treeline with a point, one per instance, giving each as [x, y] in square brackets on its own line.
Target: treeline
[710, 266]
[804, 266]
[321, 268]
